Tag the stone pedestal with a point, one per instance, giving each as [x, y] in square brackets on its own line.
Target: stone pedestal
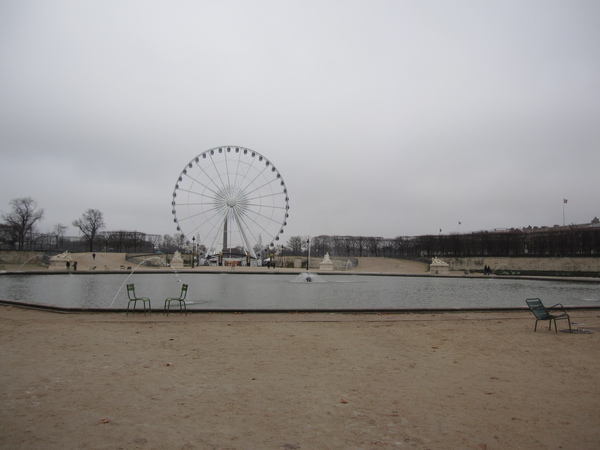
[439, 267]
[59, 262]
[326, 264]
[177, 261]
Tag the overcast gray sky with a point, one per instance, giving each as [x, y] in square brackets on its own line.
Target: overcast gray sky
[385, 118]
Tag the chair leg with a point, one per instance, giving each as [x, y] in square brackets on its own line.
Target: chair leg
[535, 328]
[132, 309]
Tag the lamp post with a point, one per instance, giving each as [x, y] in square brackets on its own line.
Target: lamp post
[308, 255]
[193, 249]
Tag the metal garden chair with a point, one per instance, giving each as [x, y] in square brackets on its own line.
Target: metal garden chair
[134, 298]
[542, 313]
[180, 299]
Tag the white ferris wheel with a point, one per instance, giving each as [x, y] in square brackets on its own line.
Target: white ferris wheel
[232, 200]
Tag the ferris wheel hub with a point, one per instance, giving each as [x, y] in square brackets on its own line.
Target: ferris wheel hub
[231, 202]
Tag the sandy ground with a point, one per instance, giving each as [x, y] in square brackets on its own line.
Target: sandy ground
[297, 381]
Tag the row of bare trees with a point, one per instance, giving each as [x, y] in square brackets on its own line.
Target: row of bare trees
[20, 232]
[19, 229]
[574, 240]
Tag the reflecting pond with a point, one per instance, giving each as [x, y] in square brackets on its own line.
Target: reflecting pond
[223, 291]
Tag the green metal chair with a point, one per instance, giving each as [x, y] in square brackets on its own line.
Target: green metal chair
[542, 313]
[134, 298]
[180, 299]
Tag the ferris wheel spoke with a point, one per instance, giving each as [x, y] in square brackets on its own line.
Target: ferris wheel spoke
[239, 221]
[247, 187]
[270, 222]
[262, 186]
[215, 167]
[256, 208]
[227, 169]
[238, 174]
[209, 219]
[212, 236]
[270, 195]
[250, 179]
[253, 233]
[205, 201]
[204, 185]
[206, 208]
[270, 208]
[243, 177]
[212, 228]
[210, 178]
[266, 218]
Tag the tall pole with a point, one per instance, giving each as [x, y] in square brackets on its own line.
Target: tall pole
[308, 257]
[193, 249]
[225, 235]
[564, 203]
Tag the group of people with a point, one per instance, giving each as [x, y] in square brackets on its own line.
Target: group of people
[487, 270]
[74, 263]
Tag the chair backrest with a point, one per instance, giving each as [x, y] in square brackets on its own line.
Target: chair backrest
[131, 291]
[537, 308]
[184, 288]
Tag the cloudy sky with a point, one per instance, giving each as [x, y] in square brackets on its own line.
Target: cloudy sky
[384, 118]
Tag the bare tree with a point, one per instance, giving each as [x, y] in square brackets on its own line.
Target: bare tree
[180, 240]
[168, 244]
[90, 223]
[295, 244]
[318, 245]
[154, 240]
[58, 233]
[25, 213]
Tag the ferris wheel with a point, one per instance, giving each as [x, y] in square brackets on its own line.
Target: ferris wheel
[232, 199]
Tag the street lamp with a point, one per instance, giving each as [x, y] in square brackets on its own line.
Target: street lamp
[308, 255]
[193, 249]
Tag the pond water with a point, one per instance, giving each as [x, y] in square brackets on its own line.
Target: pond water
[287, 292]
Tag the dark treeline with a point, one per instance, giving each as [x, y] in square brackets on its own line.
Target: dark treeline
[573, 240]
[576, 240]
[105, 241]
[108, 241]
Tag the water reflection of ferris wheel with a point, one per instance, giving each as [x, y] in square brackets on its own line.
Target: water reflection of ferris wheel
[233, 199]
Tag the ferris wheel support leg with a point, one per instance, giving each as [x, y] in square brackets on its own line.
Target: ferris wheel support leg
[244, 237]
